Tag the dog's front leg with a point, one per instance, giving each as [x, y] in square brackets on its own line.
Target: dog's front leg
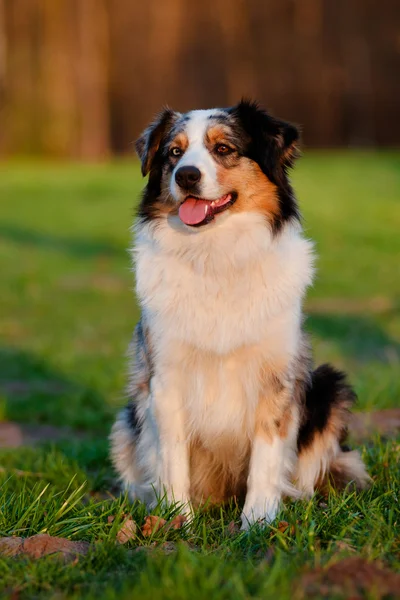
[173, 454]
[272, 459]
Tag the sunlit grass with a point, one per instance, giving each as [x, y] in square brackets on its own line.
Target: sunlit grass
[67, 312]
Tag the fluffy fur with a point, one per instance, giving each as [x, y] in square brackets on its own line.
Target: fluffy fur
[223, 397]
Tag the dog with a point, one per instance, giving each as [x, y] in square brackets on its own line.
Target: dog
[224, 401]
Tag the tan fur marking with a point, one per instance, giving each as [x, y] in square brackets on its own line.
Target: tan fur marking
[217, 135]
[255, 192]
[273, 417]
[214, 476]
[274, 410]
[180, 140]
[284, 422]
[290, 153]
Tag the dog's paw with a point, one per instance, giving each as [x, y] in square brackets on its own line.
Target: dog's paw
[262, 511]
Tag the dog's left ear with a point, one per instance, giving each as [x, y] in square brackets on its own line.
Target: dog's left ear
[288, 140]
[149, 143]
[273, 143]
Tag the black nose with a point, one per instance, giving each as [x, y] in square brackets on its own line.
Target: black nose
[187, 177]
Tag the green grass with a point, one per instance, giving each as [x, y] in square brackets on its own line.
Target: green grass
[66, 315]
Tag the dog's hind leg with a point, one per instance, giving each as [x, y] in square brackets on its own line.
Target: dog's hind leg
[123, 448]
[131, 436]
[328, 400]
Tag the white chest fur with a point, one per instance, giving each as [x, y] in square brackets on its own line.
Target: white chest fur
[223, 288]
[219, 303]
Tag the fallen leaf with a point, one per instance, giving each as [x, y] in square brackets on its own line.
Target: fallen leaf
[110, 518]
[282, 526]
[177, 522]
[127, 531]
[353, 578]
[42, 545]
[152, 524]
[232, 528]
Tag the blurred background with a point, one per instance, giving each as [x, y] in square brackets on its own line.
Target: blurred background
[80, 78]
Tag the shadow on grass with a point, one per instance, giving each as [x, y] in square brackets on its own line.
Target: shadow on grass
[360, 337]
[31, 391]
[76, 247]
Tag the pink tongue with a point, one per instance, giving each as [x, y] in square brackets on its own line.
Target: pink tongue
[193, 212]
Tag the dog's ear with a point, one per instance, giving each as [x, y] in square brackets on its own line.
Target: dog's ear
[272, 143]
[150, 141]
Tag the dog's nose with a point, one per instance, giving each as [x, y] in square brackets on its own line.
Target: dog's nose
[186, 177]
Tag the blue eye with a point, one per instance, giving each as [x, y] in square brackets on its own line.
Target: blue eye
[175, 151]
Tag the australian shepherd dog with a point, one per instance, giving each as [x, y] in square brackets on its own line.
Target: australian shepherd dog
[224, 400]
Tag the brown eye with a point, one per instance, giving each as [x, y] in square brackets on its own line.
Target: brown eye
[175, 151]
[223, 149]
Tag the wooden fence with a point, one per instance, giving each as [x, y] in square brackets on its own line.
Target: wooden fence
[80, 78]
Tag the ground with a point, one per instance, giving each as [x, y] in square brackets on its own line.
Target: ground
[66, 315]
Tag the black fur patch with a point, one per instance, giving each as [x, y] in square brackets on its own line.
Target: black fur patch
[132, 417]
[271, 143]
[151, 150]
[149, 207]
[327, 388]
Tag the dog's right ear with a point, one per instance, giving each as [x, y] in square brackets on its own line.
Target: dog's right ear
[149, 142]
[275, 143]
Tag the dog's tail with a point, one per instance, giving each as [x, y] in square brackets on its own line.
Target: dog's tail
[322, 453]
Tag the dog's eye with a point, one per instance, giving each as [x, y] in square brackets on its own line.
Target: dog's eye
[223, 149]
[175, 151]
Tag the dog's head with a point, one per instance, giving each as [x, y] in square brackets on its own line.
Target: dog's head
[209, 163]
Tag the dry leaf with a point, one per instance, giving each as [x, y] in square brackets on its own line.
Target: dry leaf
[177, 522]
[42, 545]
[282, 526]
[110, 518]
[152, 524]
[232, 528]
[127, 531]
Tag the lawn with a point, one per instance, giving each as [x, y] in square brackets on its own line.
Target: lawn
[67, 312]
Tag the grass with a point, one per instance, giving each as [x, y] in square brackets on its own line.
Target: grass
[66, 315]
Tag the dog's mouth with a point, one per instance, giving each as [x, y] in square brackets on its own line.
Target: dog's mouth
[200, 211]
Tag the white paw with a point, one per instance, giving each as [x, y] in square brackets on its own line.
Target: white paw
[262, 510]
